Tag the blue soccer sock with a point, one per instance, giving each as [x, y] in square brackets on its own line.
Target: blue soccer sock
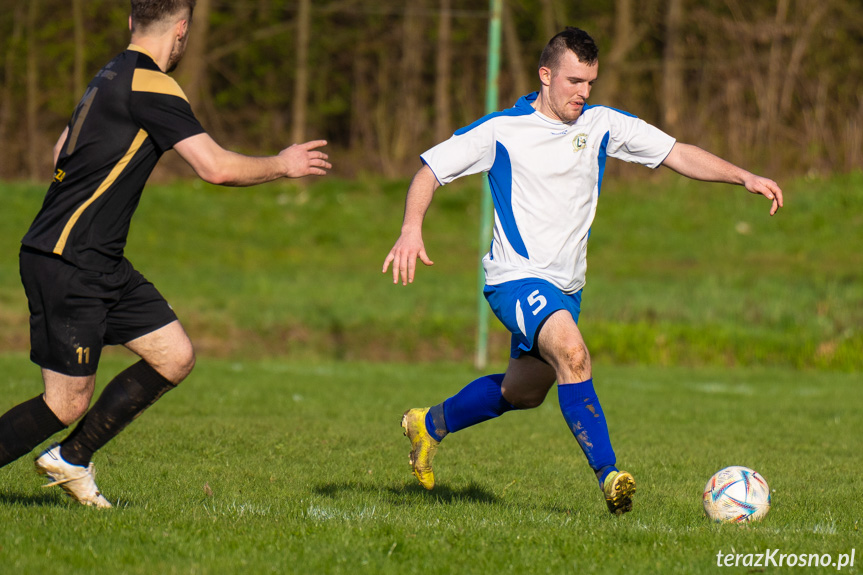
[478, 401]
[584, 416]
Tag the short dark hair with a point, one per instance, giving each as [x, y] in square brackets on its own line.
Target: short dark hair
[574, 39]
[145, 13]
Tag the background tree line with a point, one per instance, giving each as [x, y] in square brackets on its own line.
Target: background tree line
[771, 83]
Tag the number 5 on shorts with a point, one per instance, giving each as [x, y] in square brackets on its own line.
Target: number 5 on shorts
[534, 299]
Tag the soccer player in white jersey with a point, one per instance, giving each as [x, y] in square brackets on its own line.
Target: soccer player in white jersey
[545, 158]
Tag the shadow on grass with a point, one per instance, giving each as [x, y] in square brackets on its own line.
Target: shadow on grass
[409, 493]
[44, 500]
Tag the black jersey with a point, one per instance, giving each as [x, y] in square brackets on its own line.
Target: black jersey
[129, 116]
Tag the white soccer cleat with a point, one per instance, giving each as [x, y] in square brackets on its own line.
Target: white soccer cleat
[76, 480]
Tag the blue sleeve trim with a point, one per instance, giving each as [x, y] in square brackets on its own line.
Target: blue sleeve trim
[521, 108]
[588, 107]
[601, 157]
[423, 160]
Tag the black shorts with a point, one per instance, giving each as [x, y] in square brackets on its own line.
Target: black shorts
[74, 313]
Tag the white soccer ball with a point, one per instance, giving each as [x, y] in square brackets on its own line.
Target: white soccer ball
[736, 495]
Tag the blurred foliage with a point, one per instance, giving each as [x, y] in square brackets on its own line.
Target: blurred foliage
[772, 84]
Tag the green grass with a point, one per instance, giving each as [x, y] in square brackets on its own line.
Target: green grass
[288, 467]
[680, 272]
[693, 273]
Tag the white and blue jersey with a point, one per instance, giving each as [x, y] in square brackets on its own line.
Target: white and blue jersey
[545, 178]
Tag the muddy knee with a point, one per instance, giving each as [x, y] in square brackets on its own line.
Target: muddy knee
[572, 363]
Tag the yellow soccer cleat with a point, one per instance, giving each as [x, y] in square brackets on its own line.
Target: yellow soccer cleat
[423, 445]
[618, 488]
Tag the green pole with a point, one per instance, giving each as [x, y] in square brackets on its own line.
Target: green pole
[495, 10]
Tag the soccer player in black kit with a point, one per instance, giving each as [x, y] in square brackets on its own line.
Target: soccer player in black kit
[82, 292]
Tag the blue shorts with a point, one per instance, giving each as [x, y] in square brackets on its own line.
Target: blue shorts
[524, 305]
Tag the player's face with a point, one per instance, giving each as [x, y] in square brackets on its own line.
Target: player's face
[568, 87]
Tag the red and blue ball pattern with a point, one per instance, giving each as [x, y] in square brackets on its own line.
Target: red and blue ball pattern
[736, 495]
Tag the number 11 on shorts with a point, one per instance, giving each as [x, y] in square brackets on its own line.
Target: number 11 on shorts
[83, 355]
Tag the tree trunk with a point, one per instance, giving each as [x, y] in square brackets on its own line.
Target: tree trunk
[443, 71]
[80, 50]
[673, 93]
[735, 139]
[301, 85]
[514, 58]
[767, 118]
[10, 149]
[32, 110]
[549, 20]
[362, 134]
[408, 118]
[854, 138]
[624, 40]
[195, 68]
[802, 36]
[383, 115]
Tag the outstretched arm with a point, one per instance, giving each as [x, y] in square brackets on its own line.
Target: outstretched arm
[693, 162]
[217, 165]
[410, 246]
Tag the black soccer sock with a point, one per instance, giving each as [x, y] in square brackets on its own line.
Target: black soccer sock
[24, 427]
[122, 400]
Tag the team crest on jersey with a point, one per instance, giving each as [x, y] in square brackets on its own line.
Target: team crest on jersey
[579, 142]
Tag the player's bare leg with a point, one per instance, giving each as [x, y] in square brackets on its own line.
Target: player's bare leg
[69, 397]
[27, 425]
[563, 347]
[527, 381]
[167, 358]
[561, 344]
[168, 350]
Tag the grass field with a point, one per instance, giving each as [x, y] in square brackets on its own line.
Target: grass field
[286, 467]
[680, 273]
[719, 337]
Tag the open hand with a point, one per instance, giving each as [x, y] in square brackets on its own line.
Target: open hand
[404, 256]
[767, 188]
[304, 160]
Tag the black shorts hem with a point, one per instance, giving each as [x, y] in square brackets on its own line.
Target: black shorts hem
[133, 335]
[84, 370]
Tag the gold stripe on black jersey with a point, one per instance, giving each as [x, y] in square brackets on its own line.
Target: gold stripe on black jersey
[156, 82]
[85, 218]
[106, 183]
[142, 50]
